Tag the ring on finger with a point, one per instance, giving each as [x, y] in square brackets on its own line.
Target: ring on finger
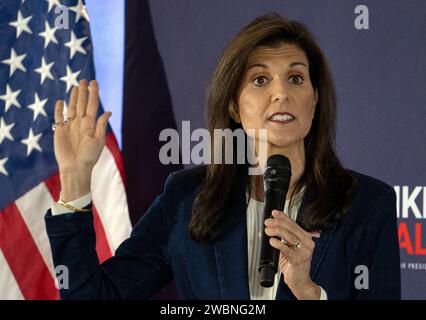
[61, 123]
[57, 124]
[296, 245]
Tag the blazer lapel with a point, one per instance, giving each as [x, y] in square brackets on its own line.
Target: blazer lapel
[232, 255]
[321, 245]
[231, 251]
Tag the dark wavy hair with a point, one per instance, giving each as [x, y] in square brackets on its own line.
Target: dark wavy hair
[324, 175]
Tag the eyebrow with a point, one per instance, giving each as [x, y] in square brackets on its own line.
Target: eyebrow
[261, 65]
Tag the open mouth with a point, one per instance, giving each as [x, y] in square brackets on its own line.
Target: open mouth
[281, 117]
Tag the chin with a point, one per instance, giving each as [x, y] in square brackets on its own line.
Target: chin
[285, 139]
[283, 143]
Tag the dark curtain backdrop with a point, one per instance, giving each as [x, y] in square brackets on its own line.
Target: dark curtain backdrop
[147, 110]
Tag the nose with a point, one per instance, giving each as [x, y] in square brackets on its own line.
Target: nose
[279, 91]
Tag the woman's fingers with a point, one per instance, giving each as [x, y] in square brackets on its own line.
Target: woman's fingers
[290, 225]
[88, 121]
[315, 234]
[284, 228]
[84, 102]
[275, 230]
[59, 111]
[93, 102]
[72, 103]
[82, 98]
[294, 255]
[285, 250]
[101, 126]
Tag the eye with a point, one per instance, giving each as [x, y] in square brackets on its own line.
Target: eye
[260, 81]
[296, 79]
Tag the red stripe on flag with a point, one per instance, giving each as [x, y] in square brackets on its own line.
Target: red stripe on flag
[112, 145]
[102, 246]
[53, 184]
[27, 264]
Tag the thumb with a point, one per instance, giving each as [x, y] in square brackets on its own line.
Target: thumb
[101, 126]
[315, 234]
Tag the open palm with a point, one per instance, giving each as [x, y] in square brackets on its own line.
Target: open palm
[78, 142]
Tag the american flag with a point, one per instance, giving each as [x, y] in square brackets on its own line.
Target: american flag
[40, 61]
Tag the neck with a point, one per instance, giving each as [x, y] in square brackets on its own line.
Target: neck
[296, 155]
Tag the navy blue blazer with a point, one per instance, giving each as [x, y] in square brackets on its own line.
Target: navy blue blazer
[160, 249]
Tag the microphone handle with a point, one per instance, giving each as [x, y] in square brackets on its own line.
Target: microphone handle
[268, 264]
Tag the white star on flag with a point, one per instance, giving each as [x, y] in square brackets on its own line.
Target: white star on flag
[48, 34]
[80, 11]
[32, 142]
[44, 70]
[15, 62]
[21, 24]
[38, 107]
[5, 130]
[70, 78]
[2, 168]
[75, 45]
[53, 3]
[10, 98]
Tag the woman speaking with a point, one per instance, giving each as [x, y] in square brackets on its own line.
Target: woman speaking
[336, 237]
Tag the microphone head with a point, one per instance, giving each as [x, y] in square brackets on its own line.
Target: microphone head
[277, 173]
[278, 160]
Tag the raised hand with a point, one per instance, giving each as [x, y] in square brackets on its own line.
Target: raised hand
[78, 143]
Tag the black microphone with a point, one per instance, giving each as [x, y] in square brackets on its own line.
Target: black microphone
[276, 180]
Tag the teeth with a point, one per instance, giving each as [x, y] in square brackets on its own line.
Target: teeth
[282, 117]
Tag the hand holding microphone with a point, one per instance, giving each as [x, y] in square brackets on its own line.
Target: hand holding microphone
[285, 245]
